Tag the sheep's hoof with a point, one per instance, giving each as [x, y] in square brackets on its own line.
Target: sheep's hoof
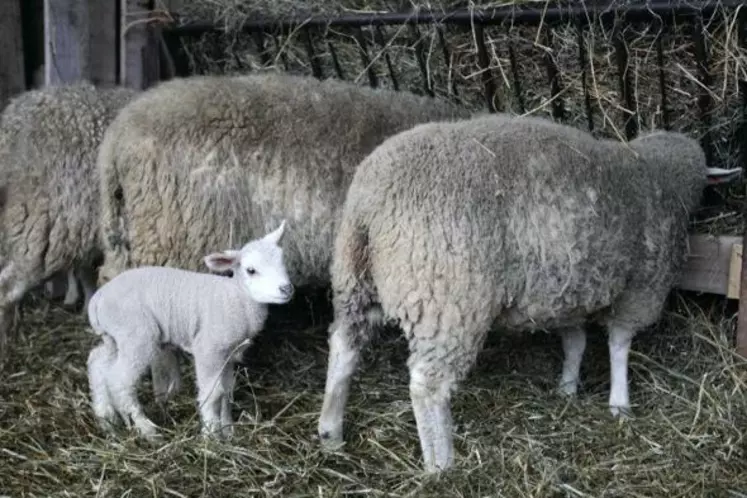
[567, 389]
[330, 441]
[621, 412]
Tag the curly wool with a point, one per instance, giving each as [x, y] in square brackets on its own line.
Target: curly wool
[209, 161]
[48, 150]
[520, 223]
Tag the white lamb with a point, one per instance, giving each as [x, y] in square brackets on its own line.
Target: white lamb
[144, 312]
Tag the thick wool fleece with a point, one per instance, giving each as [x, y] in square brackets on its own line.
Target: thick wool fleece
[207, 161]
[49, 141]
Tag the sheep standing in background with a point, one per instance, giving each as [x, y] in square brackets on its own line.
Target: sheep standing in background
[203, 161]
[143, 310]
[48, 150]
[453, 228]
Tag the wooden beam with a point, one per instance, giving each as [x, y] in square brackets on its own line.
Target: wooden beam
[66, 44]
[708, 266]
[139, 56]
[12, 74]
[102, 40]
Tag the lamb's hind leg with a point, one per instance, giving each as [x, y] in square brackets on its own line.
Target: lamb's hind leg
[99, 365]
[131, 362]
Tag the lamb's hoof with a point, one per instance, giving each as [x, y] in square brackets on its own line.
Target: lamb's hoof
[228, 431]
[148, 431]
[621, 412]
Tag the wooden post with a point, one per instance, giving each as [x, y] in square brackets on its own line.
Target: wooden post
[139, 56]
[66, 50]
[12, 75]
[102, 41]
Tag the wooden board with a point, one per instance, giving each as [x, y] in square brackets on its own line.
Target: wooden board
[66, 44]
[12, 72]
[139, 47]
[709, 266]
[102, 41]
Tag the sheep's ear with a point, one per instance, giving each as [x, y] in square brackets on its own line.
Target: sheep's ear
[720, 175]
[223, 261]
[276, 235]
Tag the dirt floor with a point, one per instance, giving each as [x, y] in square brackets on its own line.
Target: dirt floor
[514, 437]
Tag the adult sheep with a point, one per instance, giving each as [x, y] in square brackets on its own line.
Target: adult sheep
[208, 161]
[451, 229]
[48, 150]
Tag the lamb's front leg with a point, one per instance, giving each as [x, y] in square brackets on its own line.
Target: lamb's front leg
[211, 389]
[229, 381]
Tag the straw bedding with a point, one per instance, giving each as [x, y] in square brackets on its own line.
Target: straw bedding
[514, 437]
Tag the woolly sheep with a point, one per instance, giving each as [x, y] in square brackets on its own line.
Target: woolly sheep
[144, 310]
[201, 161]
[452, 228]
[48, 150]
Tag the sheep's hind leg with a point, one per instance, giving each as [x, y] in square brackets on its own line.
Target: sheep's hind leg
[437, 364]
[619, 341]
[99, 364]
[345, 344]
[574, 344]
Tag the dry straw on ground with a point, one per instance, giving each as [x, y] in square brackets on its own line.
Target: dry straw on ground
[514, 437]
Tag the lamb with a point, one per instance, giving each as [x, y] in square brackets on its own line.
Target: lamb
[143, 310]
[451, 229]
[48, 150]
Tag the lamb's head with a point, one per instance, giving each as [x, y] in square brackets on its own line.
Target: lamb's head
[682, 162]
[258, 267]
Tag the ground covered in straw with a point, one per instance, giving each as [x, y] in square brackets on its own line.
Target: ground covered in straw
[513, 436]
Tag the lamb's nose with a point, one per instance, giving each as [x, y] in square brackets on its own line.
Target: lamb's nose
[287, 290]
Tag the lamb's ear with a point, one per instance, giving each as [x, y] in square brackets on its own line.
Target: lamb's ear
[223, 261]
[276, 235]
[720, 175]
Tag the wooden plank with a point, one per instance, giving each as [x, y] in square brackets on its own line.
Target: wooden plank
[708, 265]
[735, 272]
[139, 56]
[741, 342]
[12, 75]
[102, 40]
[66, 44]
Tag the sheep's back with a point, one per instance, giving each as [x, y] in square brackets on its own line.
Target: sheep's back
[48, 157]
[522, 220]
[206, 163]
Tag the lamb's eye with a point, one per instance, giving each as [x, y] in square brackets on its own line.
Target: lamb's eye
[251, 271]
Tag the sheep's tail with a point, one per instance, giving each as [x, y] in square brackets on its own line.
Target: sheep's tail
[355, 299]
[112, 230]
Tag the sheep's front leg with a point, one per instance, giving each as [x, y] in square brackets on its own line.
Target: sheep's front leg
[345, 344]
[73, 293]
[211, 388]
[574, 344]
[87, 277]
[619, 342]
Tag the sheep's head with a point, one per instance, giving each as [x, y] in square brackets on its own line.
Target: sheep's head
[259, 268]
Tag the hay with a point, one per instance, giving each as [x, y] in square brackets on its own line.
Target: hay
[513, 436]
[233, 52]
